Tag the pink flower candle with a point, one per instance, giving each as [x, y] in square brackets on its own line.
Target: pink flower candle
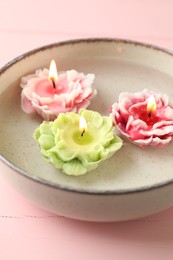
[145, 118]
[49, 93]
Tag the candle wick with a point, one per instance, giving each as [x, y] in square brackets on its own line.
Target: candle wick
[53, 82]
[82, 133]
[149, 114]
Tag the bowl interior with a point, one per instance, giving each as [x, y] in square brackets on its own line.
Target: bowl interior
[119, 66]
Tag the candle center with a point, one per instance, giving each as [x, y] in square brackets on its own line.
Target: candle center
[84, 139]
[149, 118]
[141, 112]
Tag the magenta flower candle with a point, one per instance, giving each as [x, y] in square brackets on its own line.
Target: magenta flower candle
[49, 93]
[145, 118]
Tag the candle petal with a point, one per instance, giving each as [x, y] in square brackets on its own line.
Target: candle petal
[94, 118]
[169, 113]
[27, 105]
[62, 153]
[46, 141]
[158, 132]
[74, 167]
[53, 158]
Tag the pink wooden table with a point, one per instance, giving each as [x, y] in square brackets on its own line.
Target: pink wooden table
[27, 232]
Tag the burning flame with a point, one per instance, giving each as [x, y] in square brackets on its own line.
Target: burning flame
[82, 125]
[53, 75]
[151, 106]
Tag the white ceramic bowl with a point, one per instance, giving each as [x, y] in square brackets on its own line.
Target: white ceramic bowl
[135, 182]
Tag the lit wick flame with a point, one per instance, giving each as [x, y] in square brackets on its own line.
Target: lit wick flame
[151, 106]
[82, 125]
[53, 75]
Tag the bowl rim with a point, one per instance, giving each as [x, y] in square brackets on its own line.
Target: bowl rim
[64, 187]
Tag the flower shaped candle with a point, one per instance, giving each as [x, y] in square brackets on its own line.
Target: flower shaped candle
[49, 94]
[145, 118]
[77, 143]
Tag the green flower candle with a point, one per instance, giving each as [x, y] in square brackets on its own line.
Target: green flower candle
[77, 143]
